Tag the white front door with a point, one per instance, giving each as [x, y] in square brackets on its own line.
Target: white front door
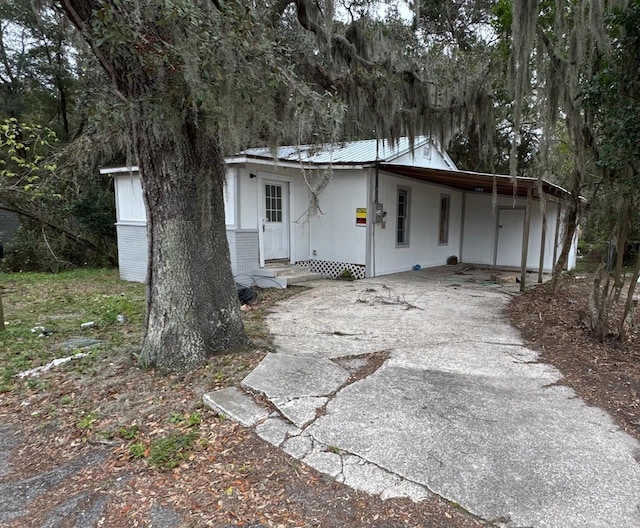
[510, 235]
[275, 220]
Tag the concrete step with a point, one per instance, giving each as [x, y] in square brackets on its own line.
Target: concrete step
[236, 405]
[284, 274]
[305, 277]
[279, 271]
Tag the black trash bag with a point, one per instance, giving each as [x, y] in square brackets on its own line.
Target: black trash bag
[246, 294]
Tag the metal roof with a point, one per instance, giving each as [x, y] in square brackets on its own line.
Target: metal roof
[360, 152]
[367, 151]
[478, 181]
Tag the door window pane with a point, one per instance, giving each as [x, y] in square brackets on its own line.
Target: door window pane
[273, 203]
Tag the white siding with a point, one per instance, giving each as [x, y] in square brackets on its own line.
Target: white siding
[427, 156]
[334, 233]
[299, 218]
[424, 213]
[535, 236]
[481, 240]
[132, 252]
[243, 249]
[131, 229]
[248, 200]
[129, 201]
[230, 199]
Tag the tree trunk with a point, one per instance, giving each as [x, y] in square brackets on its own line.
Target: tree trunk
[622, 228]
[192, 303]
[570, 226]
[626, 321]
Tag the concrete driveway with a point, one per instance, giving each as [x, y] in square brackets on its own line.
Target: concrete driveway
[415, 384]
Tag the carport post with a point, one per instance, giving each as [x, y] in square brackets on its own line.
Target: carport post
[543, 240]
[525, 239]
[555, 241]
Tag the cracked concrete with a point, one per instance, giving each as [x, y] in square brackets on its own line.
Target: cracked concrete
[300, 411]
[460, 408]
[276, 430]
[233, 403]
[297, 377]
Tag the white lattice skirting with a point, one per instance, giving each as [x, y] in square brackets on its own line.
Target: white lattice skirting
[333, 269]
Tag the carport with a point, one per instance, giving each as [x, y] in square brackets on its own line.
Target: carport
[533, 191]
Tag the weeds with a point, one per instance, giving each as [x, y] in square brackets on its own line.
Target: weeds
[60, 303]
[88, 421]
[169, 451]
[129, 433]
[138, 450]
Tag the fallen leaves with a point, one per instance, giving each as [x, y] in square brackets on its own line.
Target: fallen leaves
[606, 374]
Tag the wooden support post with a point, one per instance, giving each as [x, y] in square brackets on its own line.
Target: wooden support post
[543, 239]
[525, 240]
[555, 240]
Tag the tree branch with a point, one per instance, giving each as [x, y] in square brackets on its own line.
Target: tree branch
[65, 231]
[79, 20]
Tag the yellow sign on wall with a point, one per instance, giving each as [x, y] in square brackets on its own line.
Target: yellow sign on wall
[361, 216]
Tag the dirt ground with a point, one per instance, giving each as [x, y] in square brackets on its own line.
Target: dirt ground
[105, 423]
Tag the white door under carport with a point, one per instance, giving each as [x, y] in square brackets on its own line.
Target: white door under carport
[510, 236]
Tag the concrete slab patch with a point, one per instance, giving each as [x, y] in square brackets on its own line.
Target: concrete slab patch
[15, 497]
[76, 343]
[298, 446]
[285, 376]
[8, 440]
[364, 476]
[276, 430]
[235, 404]
[404, 488]
[300, 411]
[65, 509]
[540, 456]
[90, 517]
[163, 517]
[325, 462]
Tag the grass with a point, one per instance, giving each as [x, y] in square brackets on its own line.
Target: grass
[61, 303]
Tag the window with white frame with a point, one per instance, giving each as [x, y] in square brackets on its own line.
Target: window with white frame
[402, 216]
[443, 231]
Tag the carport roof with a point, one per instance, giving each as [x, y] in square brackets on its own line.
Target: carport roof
[477, 181]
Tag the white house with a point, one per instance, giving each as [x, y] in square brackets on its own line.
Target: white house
[381, 208]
